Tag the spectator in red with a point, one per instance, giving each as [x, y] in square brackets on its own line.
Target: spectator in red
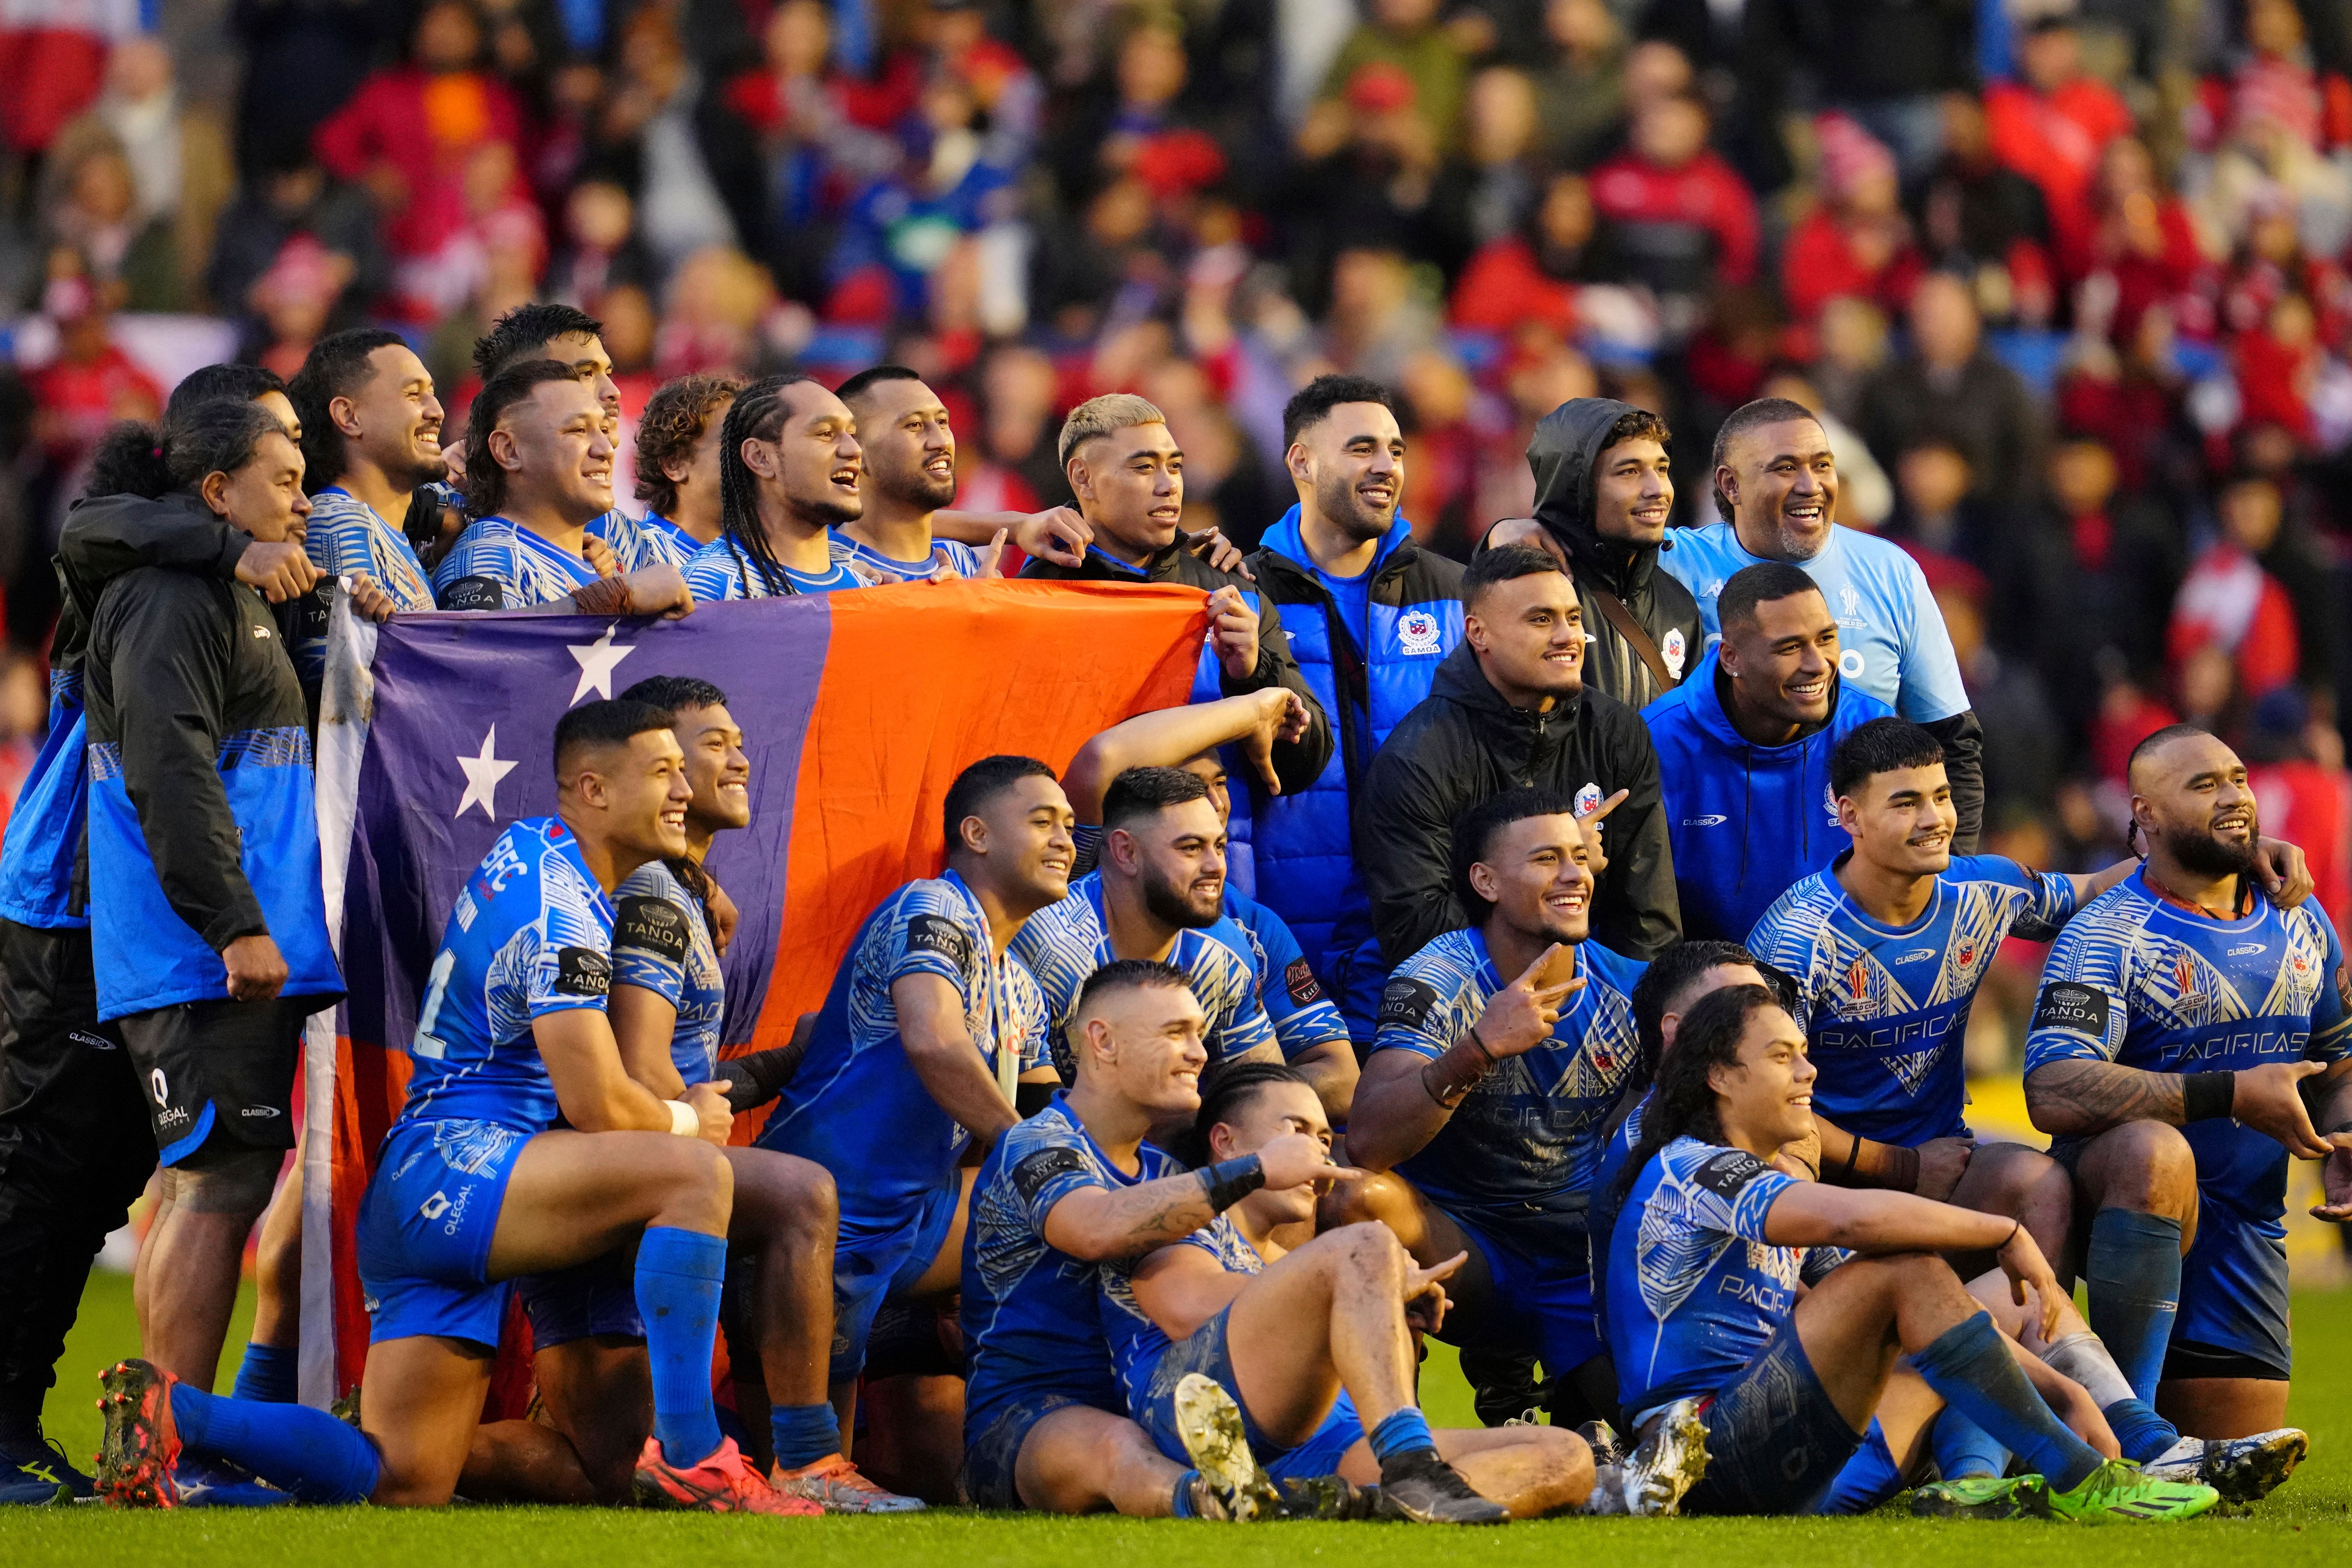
[411, 132]
[1686, 222]
[2272, 263]
[1536, 274]
[1981, 218]
[1854, 239]
[2295, 766]
[2227, 603]
[2141, 234]
[2278, 365]
[2051, 125]
[2128, 397]
[53, 61]
[2274, 85]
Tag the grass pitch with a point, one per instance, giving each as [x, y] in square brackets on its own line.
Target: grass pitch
[2310, 1522]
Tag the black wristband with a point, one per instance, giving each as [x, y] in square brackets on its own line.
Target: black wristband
[2205, 1096]
[1231, 1181]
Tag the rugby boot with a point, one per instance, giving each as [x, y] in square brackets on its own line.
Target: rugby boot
[2242, 1469]
[1210, 1424]
[723, 1483]
[2117, 1492]
[1504, 1389]
[1667, 1463]
[1420, 1486]
[139, 1458]
[835, 1485]
[36, 1471]
[1983, 1496]
[1608, 1448]
[1329, 1496]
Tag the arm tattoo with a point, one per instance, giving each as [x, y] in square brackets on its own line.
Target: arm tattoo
[2083, 1097]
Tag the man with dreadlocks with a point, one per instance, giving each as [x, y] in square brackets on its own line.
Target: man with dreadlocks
[1705, 1302]
[789, 463]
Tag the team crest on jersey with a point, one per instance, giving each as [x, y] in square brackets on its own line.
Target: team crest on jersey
[1417, 632]
[1587, 800]
[1671, 650]
[1967, 953]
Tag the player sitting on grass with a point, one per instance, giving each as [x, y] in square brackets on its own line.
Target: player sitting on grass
[1313, 1344]
[472, 1188]
[1073, 1188]
[1711, 1245]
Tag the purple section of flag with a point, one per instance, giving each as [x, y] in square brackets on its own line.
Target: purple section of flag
[460, 744]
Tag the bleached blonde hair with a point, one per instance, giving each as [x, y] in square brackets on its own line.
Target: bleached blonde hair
[1100, 417]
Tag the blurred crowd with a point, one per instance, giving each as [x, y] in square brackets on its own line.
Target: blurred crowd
[2069, 282]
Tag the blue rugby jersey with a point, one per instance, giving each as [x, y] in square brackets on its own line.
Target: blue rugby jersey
[1032, 1320]
[344, 535]
[530, 935]
[2139, 980]
[1696, 1291]
[661, 944]
[1518, 1154]
[856, 1107]
[652, 540]
[1302, 1015]
[948, 561]
[1136, 1342]
[497, 564]
[1066, 942]
[723, 570]
[1885, 1010]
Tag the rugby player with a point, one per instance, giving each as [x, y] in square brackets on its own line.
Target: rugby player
[1068, 1190]
[2189, 1035]
[926, 1039]
[1710, 1249]
[1503, 1049]
[789, 467]
[677, 457]
[473, 1187]
[1313, 1342]
[541, 471]
[1158, 893]
[910, 475]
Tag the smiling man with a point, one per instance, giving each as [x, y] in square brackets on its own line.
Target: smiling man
[1745, 745]
[540, 471]
[790, 465]
[1776, 489]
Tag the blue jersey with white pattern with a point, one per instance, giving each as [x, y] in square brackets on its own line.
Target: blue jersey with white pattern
[1519, 1153]
[2139, 980]
[1696, 1291]
[1302, 1015]
[344, 535]
[1885, 1010]
[1136, 1342]
[1066, 942]
[497, 564]
[723, 570]
[1033, 1319]
[1892, 641]
[652, 540]
[662, 945]
[1601, 1219]
[530, 935]
[856, 1107]
[948, 561]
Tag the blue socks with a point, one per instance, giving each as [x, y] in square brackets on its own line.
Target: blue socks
[1404, 1432]
[306, 1452]
[679, 1273]
[1969, 1365]
[1964, 1448]
[2141, 1432]
[269, 1374]
[1180, 1505]
[2133, 1273]
[803, 1433]
[1868, 1479]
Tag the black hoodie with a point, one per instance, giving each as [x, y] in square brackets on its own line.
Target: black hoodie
[1561, 454]
[1464, 745]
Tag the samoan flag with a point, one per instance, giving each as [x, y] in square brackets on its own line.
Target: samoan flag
[858, 710]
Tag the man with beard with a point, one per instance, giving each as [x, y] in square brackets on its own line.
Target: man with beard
[1372, 614]
[372, 446]
[2189, 1036]
[1158, 893]
[910, 473]
[1776, 489]
[789, 468]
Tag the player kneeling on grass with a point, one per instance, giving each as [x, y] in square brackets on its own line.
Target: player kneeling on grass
[1705, 1275]
[472, 1189]
[1314, 1344]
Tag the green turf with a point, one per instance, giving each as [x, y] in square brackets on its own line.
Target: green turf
[2309, 1522]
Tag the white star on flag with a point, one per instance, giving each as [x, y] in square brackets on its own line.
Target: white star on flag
[596, 662]
[482, 776]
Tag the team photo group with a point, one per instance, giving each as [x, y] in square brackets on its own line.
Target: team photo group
[1565, 957]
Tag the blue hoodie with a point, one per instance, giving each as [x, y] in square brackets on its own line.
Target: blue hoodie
[1746, 822]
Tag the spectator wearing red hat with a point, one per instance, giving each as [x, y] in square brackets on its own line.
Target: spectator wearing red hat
[1854, 239]
[2053, 123]
[1685, 221]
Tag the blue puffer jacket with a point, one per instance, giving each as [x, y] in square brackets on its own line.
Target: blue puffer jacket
[1746, 822]
[1305, 864]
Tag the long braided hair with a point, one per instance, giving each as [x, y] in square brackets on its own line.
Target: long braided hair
[758, 415]
[1684, 1102]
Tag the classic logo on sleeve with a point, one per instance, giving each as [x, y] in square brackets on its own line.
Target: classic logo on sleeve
[1418, 632]
[651, 924]
[937, 933]
[1035, 1170]
[2080, 1009]
[1300, 981]
[1725, 1174]
[1407, 1001]
[582, 972]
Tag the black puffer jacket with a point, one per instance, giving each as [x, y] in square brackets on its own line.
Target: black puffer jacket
[1464, 745]
[1563, 453]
